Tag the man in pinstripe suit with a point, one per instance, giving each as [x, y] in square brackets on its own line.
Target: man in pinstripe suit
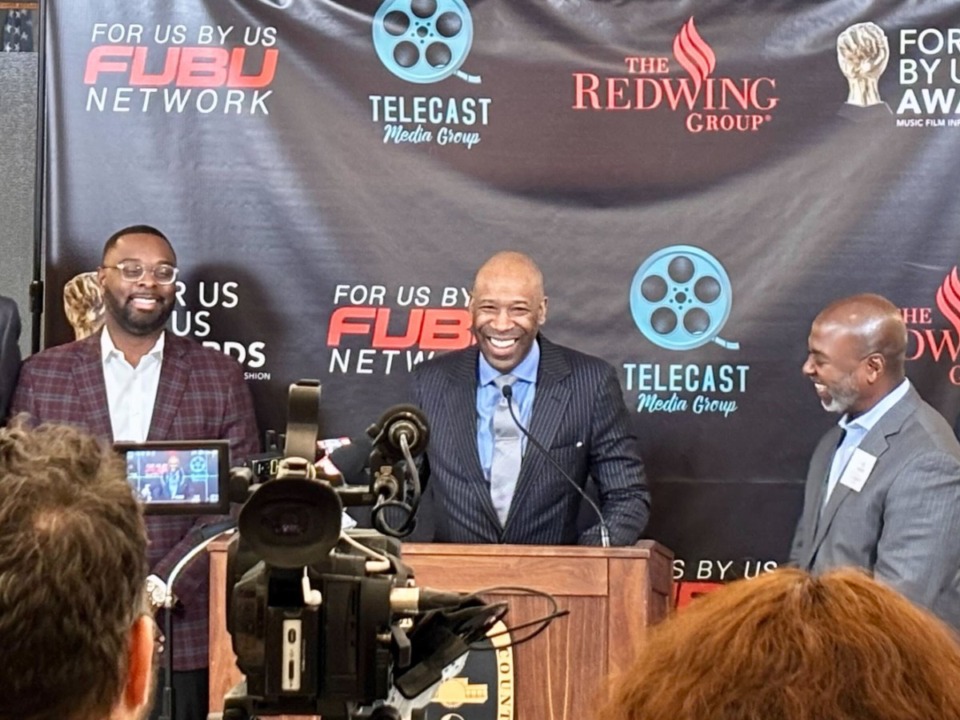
[572, 404]
[133, 381]
[883, 489]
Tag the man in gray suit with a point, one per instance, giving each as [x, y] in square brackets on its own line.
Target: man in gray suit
[488, 482]
[883, 489]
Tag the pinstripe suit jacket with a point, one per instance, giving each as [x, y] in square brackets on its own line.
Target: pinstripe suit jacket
[9, 352]
[904, 524]
[578, 414]
[201, 396]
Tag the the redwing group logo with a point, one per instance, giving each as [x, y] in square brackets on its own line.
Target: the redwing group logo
[377, 330]
[425, 42]
[178, 69]
[711, 103]
[941, 344]
[680, 299]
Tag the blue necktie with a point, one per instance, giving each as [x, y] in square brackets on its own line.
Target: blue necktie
[507, 453]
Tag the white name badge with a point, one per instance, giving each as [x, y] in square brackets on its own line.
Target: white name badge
[857, 471]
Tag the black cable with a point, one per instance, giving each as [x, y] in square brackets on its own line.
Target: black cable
[543, 621]
[409, 509]
[406, 527]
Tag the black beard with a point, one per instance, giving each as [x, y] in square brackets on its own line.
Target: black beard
[134, 323]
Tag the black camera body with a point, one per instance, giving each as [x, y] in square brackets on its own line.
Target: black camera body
[328, 659]
[330, 623]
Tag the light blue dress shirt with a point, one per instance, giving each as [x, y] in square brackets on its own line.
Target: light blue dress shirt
[856, 429]
[488, 395]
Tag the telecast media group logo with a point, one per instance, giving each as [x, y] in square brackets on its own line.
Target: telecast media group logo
[680, 300]
[425, 42]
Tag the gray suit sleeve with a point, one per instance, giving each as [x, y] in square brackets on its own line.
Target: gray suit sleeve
[796, 547]
[919, 549]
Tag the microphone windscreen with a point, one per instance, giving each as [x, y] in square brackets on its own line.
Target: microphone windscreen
[353, 459]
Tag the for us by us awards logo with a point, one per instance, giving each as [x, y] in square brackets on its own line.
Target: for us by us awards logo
[929, 77]
[427, 42]
[680, 299]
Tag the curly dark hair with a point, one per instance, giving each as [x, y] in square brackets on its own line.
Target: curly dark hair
[72, 569]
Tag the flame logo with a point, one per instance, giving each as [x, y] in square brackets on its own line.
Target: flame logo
[693, 54]
[948, 298]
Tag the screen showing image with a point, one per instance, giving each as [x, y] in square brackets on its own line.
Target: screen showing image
[174, 476]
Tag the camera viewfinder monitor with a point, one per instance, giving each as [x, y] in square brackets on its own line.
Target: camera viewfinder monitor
[179, 478]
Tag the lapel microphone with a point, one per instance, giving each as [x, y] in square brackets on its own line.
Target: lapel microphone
[507, 391]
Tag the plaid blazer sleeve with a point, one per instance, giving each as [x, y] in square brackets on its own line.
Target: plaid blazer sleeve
[202, 396]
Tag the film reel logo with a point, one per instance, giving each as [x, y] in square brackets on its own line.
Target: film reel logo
[424, 41]
[198, 465]
[681, 297]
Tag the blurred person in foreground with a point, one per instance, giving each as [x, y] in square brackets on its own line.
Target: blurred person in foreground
[76, 637]
[793, 646]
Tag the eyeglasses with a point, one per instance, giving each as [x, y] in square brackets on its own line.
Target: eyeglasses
[163, 273]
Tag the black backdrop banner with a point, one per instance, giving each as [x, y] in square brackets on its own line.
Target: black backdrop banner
[689, 175]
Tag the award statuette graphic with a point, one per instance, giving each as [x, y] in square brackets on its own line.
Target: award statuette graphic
[681, 297]
[83, 304]
[424, 41]
[863, 53]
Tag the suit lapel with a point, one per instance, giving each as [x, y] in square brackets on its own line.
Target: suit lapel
[88, 379]
[461, 402]
[819, 474]
[174, 373]
[549, 408]
[875, 443]
[821, 467]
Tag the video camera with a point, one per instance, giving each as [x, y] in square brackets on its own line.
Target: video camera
[330, 623]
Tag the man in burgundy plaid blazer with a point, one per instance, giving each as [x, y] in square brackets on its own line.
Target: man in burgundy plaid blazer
[200, 395]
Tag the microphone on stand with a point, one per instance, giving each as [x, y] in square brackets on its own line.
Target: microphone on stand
[507, 391]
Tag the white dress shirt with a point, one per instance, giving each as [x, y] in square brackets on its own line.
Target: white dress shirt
[131, 391]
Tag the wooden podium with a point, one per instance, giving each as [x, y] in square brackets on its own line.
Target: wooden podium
[613, 595]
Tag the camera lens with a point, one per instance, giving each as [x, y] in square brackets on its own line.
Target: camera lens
[283, 522]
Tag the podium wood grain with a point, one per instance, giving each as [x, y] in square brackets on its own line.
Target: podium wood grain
[613, 595]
